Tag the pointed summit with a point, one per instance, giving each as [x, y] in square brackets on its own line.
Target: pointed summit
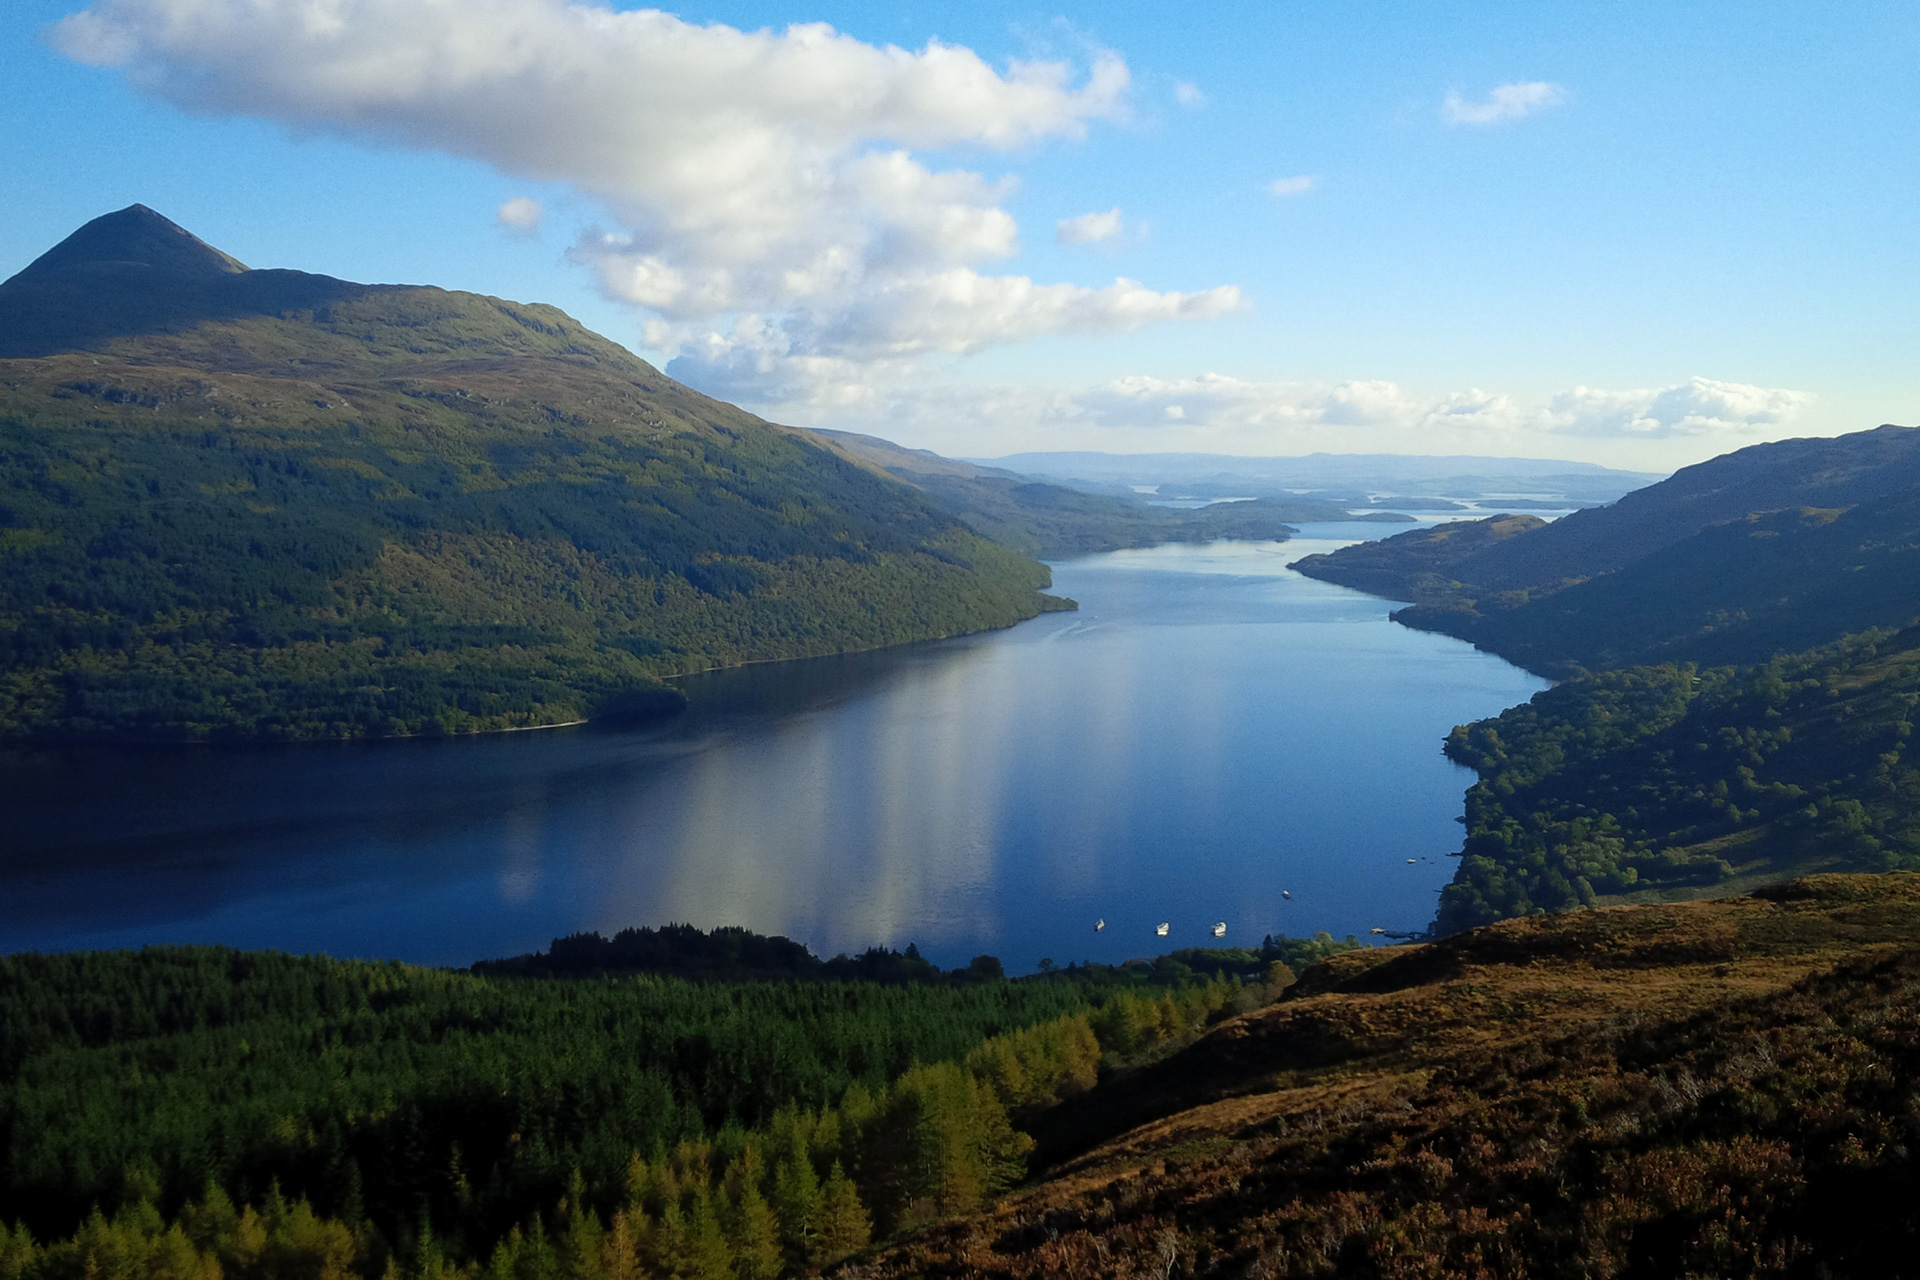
[136, 272]
[134, 240]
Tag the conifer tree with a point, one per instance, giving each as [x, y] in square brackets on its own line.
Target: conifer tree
[622, 1250]
[1000, 1149]
[538, 1259]
[582, 1236]
[505, 1262]
[845, 1228]
[703, 1252]
[753, 1232]
[669, 1241]
[18, 1252]
[796, 1201]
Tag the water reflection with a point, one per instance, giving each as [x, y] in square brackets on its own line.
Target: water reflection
[1208, 730]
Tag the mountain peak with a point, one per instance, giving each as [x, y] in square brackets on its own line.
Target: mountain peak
[138, 239]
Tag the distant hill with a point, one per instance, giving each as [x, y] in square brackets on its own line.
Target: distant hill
[1397, 479]
[1056, 520]
[1421, 563]
[1769, 550]
[266, 503]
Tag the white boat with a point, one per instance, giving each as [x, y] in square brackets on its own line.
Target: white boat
[1160, 930]
[1220, 929]
[1098, 925]
[1287, 894]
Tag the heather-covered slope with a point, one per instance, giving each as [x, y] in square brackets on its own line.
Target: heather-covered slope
[1716, 1088]
[244, 503]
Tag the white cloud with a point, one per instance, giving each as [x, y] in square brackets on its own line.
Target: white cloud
[522, 215]
[1284, 187]
[1507, 102]
[1088, 228]
[1696, 407]
[1190, 96]
[772, 173]
[898, 399]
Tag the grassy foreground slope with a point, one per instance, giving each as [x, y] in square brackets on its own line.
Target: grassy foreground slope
[1701, 1089]
[270, 504]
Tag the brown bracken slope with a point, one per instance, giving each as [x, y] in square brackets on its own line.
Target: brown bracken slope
[1717, 1088]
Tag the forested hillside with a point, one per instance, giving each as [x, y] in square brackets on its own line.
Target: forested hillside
[279, 1115]
[1738, 592]
[264, 503]
[1697, 757]
[1675, 780]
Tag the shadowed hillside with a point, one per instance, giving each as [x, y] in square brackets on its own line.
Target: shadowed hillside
[243, 503]
[1772, 549]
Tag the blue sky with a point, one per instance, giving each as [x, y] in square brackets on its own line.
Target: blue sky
[1690, 228]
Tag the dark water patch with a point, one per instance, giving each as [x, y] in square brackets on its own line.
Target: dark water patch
[1208, 731]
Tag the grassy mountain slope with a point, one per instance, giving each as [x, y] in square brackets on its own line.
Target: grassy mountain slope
[1768, 550]
[1055, 521]
[242, 503]
[1716, 1088]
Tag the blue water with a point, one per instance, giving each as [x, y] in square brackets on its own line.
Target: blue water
[1209, 730]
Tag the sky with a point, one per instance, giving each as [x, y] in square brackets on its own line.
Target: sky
[1638, 234]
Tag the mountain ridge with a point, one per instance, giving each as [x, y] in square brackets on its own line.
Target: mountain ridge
[264, 503]
[1705, 566]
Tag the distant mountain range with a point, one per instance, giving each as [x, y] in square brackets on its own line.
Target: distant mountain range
[1353, 479]
[268, 503]
[1054, 520]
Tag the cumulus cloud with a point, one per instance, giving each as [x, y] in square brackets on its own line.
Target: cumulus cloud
[795, 366]
[1507, 102]
[1189, 96]
[1088, 228]
[771, 173]
[522, 215]
[1284, 187]
[897, 398]
[1696, 407]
